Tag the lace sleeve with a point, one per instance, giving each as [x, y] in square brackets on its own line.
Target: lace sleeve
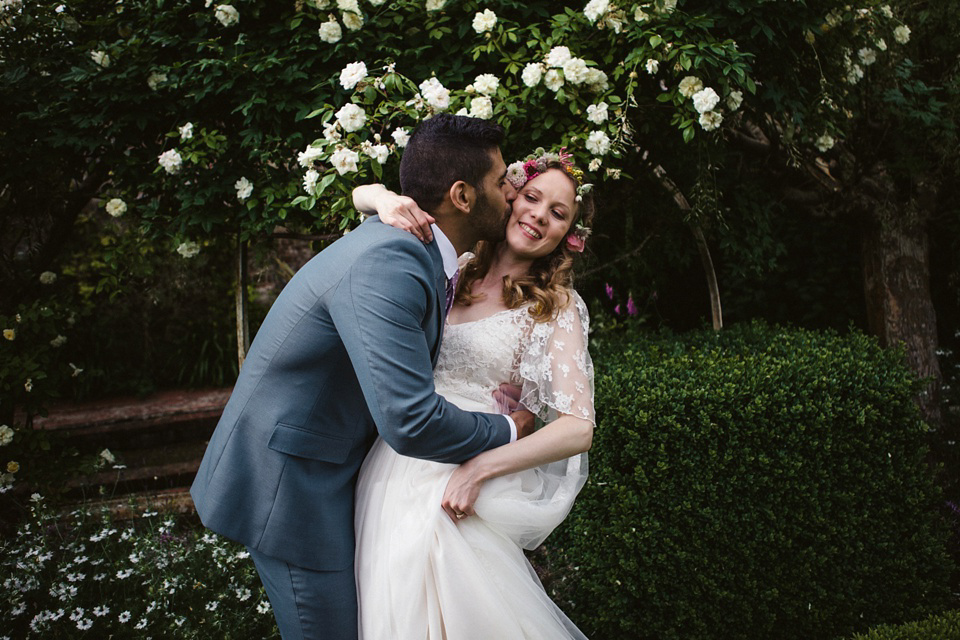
[555, 368]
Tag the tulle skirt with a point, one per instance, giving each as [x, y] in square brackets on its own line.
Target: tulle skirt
[422, 576]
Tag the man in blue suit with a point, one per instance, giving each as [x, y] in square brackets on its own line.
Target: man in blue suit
[347, 352]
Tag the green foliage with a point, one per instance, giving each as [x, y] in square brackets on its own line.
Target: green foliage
[943, 627]
[753, 483]
[89, 575]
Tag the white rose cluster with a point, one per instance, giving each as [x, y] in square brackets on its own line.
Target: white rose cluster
[824, 143]
[352, 75]
[481, 107]
[330, 31]
[484, 21]
[435, 5]
[116, 207]
[226, 14]
[101, 58]
[307, 156]
[574, 70]
[351, 117]
[486, 84]
[598, 143]
[171, 161]
[902, 34]
[400, 137]
[244, 189]
[435, 94]
[595, 10]
[597, 113]
[705, 100]
[188, 249]
[344, 160]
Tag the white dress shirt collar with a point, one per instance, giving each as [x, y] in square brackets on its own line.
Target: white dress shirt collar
[447, 252]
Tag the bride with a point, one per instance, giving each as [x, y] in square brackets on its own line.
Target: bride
[439, 546]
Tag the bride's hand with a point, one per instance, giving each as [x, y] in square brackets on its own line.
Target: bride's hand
[462, 491]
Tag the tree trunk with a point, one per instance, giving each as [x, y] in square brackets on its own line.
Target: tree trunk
[243, 320]
[896, 274]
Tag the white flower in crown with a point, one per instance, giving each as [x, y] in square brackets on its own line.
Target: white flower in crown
[330, 31]
[352, 75]
[516, 175]
[532, 73]
[484, 21]
[486, 84]
[705, 100]
[710, 120]
[351, 117]
[244, 188]
[597, 113]
[344, 160]
[226, 14]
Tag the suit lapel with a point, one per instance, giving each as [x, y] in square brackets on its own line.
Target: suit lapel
[440, 300]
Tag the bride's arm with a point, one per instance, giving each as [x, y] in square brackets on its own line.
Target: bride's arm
[564, 437]
[396, 210]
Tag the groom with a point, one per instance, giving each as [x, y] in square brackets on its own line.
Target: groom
[347, 352]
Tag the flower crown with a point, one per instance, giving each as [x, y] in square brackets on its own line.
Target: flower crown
[522, 171]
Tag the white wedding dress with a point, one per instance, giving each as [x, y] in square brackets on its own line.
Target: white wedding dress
[422, 577]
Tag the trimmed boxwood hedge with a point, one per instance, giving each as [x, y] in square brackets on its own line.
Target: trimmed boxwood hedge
[758, 482]
[943, 627]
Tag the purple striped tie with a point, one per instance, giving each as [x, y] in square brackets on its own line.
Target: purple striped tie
[451, 289]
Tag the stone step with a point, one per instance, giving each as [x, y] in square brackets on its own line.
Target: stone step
[164, 418]
[157, 441]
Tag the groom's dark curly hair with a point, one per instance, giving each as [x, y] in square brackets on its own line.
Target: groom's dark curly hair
[445, 149]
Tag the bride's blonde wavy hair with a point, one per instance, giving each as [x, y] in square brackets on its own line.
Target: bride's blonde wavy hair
[548, 282]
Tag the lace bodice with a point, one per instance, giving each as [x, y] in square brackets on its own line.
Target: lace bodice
[548, 360]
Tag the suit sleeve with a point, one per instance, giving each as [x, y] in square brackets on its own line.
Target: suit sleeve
[379, 309]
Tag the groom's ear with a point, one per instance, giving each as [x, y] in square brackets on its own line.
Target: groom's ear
[462, 196]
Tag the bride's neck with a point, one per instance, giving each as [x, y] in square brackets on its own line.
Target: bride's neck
[506, 263]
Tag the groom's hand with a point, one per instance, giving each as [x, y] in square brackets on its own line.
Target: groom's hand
[525, 422]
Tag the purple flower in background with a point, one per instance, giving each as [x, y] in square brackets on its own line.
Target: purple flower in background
[609, 291]
[631, 307]
[616, 309]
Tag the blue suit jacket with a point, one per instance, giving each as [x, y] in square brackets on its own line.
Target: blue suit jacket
[347, 350]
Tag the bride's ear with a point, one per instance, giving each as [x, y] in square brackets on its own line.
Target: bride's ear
[462, 196]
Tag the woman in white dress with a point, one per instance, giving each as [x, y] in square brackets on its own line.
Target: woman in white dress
[440, 546]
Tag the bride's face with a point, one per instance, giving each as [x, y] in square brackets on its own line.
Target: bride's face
[542, 214]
